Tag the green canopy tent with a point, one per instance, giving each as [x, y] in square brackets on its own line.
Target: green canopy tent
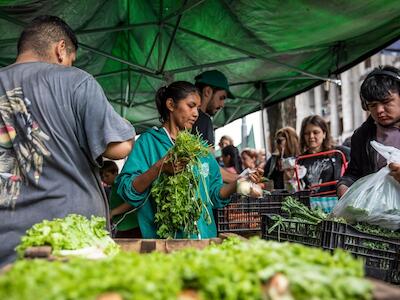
[270, 50]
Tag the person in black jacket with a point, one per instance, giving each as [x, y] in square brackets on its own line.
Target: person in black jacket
[380, 95]
[324, 168]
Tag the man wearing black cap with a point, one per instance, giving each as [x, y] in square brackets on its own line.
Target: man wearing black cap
[380, 95]
[214, 89]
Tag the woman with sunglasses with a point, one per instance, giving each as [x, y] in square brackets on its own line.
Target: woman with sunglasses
[286, 147]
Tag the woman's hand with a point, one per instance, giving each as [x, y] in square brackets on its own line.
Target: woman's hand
[170, 167]
[257, 175]
[144, 181]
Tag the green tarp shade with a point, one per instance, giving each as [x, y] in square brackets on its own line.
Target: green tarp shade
[269, 50]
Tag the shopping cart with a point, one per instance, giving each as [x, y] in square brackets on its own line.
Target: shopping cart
[323, 194]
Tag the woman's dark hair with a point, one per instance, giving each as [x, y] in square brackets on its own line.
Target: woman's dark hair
[327, 143]
[379, 84]
[235, 161]
[177, 91]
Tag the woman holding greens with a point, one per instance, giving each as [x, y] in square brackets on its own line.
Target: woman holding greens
[149, 161]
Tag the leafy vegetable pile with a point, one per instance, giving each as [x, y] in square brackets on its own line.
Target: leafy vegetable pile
[232, 270]
[376, 230]
[70, 233]
[299, 212]
[178, 199]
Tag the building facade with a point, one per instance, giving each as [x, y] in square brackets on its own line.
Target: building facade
[340, 105]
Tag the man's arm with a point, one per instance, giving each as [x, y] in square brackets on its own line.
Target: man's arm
[395, 171]
[101, 131]
[118, 150]
[341, 189]
[353, 171]
[124, 207]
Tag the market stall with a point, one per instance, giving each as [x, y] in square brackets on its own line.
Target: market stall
[269, 50]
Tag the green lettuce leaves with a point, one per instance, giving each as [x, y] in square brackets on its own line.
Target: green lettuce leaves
[73, 232]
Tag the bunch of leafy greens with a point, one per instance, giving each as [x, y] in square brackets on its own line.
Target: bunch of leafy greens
[376, 230]
[70, 233]
[178, 197]
[232, 270]
[298, 210]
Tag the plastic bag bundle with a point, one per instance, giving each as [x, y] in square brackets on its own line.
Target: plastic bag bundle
[375, 198]
[246, 187]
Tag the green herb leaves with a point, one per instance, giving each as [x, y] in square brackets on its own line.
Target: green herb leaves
[178, 198]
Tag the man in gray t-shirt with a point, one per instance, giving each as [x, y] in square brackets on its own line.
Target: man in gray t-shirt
[55, 126]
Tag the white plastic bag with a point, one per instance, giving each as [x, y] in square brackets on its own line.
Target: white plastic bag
[375, 198]
[246, 187]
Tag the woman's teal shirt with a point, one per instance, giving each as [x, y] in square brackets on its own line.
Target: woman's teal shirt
[150, 147]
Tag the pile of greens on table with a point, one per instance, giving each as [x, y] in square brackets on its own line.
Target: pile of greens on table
[253, 269]
[74, 232]
[178, 197]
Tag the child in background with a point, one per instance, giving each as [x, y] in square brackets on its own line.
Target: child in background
[231, 159]
[223, 142]
[108, 173]
[123, 218]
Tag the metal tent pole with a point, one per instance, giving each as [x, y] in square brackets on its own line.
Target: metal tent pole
[145, 64]
[264, 135]
[171, 40]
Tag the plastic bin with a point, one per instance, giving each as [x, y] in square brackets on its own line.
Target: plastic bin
[243, 214]
[291, 231]
[325, 203]
[381, 255]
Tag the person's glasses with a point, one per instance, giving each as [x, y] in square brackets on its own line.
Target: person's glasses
[280, 140]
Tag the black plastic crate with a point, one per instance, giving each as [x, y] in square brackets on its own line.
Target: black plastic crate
[381, 255]
[290, 230]
[243, 213]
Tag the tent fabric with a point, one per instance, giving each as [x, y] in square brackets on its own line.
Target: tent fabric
[270, 50]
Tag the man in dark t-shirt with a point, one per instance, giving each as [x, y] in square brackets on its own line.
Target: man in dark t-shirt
[214, 89]
[205, 127]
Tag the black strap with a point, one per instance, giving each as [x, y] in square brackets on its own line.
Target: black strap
[378, 72]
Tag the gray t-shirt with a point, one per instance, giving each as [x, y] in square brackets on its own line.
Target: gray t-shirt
[55, 123]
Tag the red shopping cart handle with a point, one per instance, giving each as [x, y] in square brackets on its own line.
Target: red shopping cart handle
[324, 153]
